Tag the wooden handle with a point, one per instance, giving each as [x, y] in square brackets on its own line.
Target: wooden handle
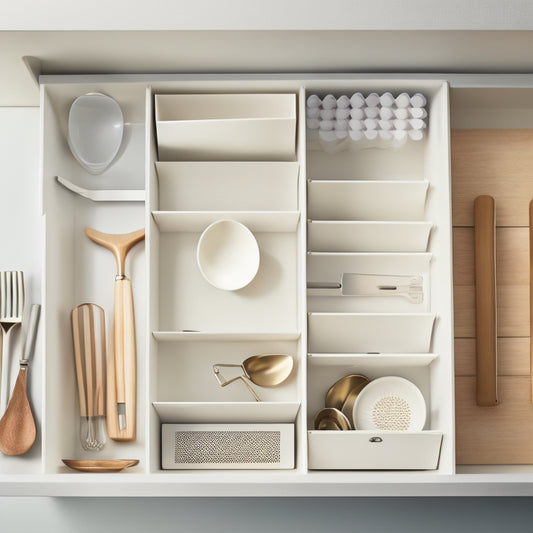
[122, 367]
[486, 333]
[531, 296]
[76, 330]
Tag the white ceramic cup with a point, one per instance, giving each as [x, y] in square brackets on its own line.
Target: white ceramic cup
[228, 255]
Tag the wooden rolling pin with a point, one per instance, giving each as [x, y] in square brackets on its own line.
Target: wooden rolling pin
[486, 333]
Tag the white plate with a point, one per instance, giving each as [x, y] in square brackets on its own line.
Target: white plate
[390, 403]
[95, 130]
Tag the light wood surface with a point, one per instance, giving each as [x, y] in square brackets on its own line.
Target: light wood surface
[495, 163]
[485, 266]
[531, 289]
[502, 434]
[513, 360]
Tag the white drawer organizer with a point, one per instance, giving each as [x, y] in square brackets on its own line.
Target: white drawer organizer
[315, 215]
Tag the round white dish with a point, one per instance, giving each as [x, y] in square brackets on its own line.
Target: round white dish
[228, 255]
[95, 131]
[390, 403]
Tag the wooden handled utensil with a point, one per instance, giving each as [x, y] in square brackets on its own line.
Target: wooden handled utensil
[486, 333]
[122, 367]
[17, 426]
[88, 333]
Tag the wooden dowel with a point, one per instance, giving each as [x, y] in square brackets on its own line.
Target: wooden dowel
[485, 267]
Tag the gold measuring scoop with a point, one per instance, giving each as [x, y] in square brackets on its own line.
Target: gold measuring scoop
[265, 370]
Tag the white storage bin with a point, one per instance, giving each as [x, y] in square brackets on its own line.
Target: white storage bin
[368, 450]
[226, 127]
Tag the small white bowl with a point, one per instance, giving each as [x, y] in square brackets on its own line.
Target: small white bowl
[390, 403]
[228, 255]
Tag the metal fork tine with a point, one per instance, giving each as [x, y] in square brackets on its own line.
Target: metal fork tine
[20, 293]
[9, 296]
[2, 294]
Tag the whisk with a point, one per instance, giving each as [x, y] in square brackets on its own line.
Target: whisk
[88, 328]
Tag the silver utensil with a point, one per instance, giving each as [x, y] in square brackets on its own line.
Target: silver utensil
[352, 284]
[11, 311]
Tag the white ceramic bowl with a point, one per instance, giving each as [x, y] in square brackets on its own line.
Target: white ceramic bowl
[95, 130]
[228, 255]
[390, 403]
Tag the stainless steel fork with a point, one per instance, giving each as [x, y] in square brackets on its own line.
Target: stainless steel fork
[11, 311]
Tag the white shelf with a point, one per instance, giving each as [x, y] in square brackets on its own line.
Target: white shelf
[370, 332]
[197, 221]
[227, 185]
[227, 412]
[211, 336]
[367, 200]
[374, 361]
[357, 236]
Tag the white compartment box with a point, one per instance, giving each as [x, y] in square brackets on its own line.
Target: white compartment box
[367, 450]
[227, 446]
[260, 127]
[357, 236]
[386, 200]
[370, 332]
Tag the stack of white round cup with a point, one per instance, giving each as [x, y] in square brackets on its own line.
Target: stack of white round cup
[371, 120]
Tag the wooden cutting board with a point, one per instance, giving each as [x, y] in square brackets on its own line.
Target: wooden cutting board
[498, 163]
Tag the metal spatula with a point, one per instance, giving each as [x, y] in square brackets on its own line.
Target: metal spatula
[409, 287]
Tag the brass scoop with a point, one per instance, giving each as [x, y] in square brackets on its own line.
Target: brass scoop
[265, 370]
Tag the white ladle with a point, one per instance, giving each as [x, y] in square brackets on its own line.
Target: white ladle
[95, 130]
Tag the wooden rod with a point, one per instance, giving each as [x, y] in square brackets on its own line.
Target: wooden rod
[531, 296]
[486, 333]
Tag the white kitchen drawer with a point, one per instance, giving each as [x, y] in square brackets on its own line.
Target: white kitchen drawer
[175, 382]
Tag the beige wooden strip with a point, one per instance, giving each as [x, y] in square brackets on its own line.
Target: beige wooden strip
[513, 311]
[502, 434]
[513, 356]
[493, 162]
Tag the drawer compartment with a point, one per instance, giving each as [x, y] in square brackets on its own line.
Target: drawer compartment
[376, 332]
[226, 127]
[368, 450]
[358, 236]
[367, 199]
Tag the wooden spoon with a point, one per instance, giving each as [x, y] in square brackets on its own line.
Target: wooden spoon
[17, 426]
